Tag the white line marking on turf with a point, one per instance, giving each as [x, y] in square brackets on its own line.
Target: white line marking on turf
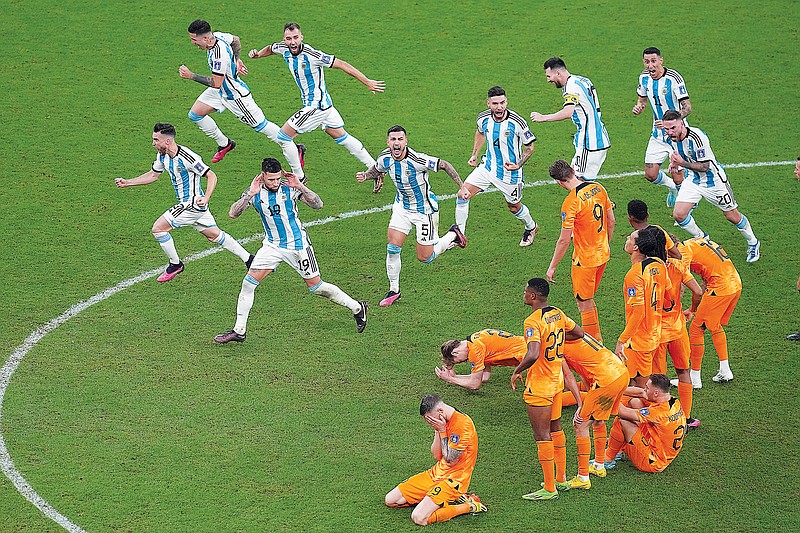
[7, 464]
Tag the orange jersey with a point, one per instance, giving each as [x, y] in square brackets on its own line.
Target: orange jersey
[670, 242]
[708, 259]
[644, 287]
[596, 364]
[584, 212]
[547, 326]
[662, 427]
[673, 323]
[461, 435]
[495, 347]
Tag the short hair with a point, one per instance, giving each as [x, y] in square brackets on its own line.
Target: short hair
[652, 242]
[199, 27]
[291, 26]
[671, 115]
[164, 128]
[651, 50]
[660, 381]
[561, 170]
[539, 286]
[554, 63]
[637, 210]
[270, 165]
[429, 403]
[395, 129]
[447, 352]
[496, 91]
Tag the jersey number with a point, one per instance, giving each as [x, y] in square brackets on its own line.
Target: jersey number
[654, 297]
[275, 210]
[716, 248]
[597, 212]
[499, 333]
[425, 231]
[553, 350]
[680, 431]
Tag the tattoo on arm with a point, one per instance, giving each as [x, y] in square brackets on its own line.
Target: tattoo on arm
[203, 80]
[686, 108]
[310, 198]
[241, 204]
[526, 154]
[236, 47]
[448, 454]
[450, 171]
[373, 173]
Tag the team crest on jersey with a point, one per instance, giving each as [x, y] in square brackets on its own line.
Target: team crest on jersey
[644, 411]
[701, 153]
[664, 90]
[431, 165]
[529, 332]
[506, 133]
[631, 291]
[455, 438]
[303, 65]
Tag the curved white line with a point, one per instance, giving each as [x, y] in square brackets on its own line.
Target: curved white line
[7, 464]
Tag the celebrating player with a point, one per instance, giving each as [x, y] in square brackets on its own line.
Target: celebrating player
[483, 350]
[185, 169]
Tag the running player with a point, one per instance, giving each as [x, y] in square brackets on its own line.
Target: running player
[306, 65]
[285, 241]
[587, 218]
[483, 350]
[510, 146]
[639, 218]
[415, 205]
[227, 91]
[440, 493]
[705, 178]
[666, 90]
[582, 106]
[185, 169]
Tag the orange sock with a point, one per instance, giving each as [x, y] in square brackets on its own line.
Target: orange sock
[616, 441]
[445, 513]
[720, 340]
[685, 396]
[697, 346]
[600, 439]
[590, 322]
[545, 452]
[560, 454]
[584, 450]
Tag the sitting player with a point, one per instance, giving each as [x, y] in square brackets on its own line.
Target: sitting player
[483, 349]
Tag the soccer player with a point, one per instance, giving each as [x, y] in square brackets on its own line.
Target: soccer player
[651, 434]
[185, 169]
[546, 329]
[227, 91]
[722, 286]
[705, 178]
[582, 106]
[639, 218]
[440, 493]
[306, 65]
[483, 350]
[415, 205]
[796, 336]
[644, 288]
[510, 145]
[666, 90]
[285, 241]
[587, 218]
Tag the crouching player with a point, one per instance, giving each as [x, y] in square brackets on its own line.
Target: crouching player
[483, 350]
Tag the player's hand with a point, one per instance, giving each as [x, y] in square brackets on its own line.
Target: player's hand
[577, 420]
[473, 161]
[676, 160]
[241, 68]
[444, 372]
[514, 377]
[549, 274]
[253, 54]
[537, 117]
[121, 182]
[508, 165]
[201, 201]
[255, 185]
[620, 351]
[291, 180]
[464, 193]
[689, 314]
[438, 423]
[184, 72]
[375, 86]
[361, 177]
[658, 124]
[637, 109]
[378, 184]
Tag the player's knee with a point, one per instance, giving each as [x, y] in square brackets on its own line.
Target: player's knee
[194, 117]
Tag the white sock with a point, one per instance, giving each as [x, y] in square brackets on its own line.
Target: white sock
[245, 303]
[393, 265]
[210, 128]
[462, 212]
[665, 180]
[355, 147]
[725, 367]
[168, 245]
[232, 245]
[288, 147]
[744, 228]
[525, 216]
[691, 226]
[336, 295]
[443, 244]
[583, 478]
[695, 376]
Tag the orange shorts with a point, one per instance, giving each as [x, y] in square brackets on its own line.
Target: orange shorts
[415, 488]
[641, 456]
[638, 362]
[715, 311]
[554, 402]
[600, 402]
[586, 280]
[678, 350]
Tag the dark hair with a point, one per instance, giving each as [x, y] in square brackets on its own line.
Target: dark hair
[291, 26]
[671, 115]
[652, 242]
[199, 27]
[637, 210]
[395, 129]
[539, 286]
[651, 50]
[561, 170]
[164, 128]
[660, 381]
[447, 352]
[270, 165]
[429, 402]
[554, 63]
[496, 91]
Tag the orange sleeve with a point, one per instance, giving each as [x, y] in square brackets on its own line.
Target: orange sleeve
[477, 355]
[634, 321]
[568, 211]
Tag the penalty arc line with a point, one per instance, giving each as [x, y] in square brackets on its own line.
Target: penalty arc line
[10, 366]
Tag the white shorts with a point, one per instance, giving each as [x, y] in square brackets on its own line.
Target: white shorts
[184, 214]
[657, 151]
[269, 256]
[427, 225]
[721, 194]
[481, 178]
[310, 118]
[587, 164]
[246, 109]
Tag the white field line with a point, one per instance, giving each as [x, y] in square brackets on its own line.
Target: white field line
[7, 464]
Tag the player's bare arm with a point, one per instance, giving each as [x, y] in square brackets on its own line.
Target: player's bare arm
[562, 245]
[372, 174]
[209, 81]
[477, 145]
[564, 113]
[686, 108]
[211, 184]
[610, 222]
[307, 196]
[523, 158]
[471, 381]
[236, 48]
[264, 52]
[374, 86]
[241, 205]
[530, 357]
[144, 179]
[675, 159]
[450, 171]
[641, 104]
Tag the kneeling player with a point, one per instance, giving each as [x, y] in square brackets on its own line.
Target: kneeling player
[483, 350]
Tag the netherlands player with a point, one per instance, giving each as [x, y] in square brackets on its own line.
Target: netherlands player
[440, 493]
[582, 106]
[185, 169]
[796, 336]
[665, 89]
[285, 241]
[587, 218]
[510, 145]
[306, 65]
[227, 91]
[639, 218]
[705, 178]
[415, 205]
[483, 350]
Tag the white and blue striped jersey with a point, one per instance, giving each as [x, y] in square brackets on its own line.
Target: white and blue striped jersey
[278, 211]
[222, 63]
[306, 67]
[185, 171]
[696, 148]
[504, 142]
[664, 94]
[592, 134]
[410, 176]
